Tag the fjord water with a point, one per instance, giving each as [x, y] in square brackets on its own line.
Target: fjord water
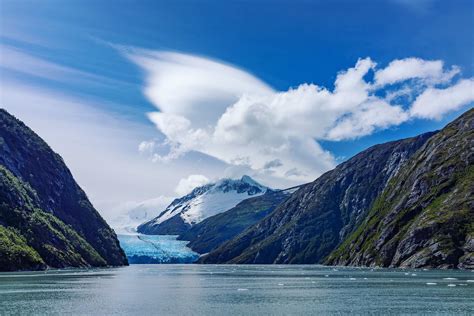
[236, 290]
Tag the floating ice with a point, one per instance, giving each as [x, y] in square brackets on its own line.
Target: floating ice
[451, 285]
[430, 283]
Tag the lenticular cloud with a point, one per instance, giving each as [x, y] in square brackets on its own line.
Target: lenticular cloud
[225, 112]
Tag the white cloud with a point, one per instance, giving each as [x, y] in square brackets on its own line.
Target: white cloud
[145, 210]
[372, 115]
[186, 185]
[217, 119]
[273, 164]
[98, 144]
[14, 59]
[192, 86]
[254, 126]
[100, 147]
[130, 214]
[146, 146]
[430, 71]
[433, 103]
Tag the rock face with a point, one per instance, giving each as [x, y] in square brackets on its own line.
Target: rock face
[214, 231]
[425, 216]
[46, 219]
[406, 203]
[203, 202]
[317, 217]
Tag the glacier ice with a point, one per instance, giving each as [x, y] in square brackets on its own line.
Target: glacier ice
[141, 249]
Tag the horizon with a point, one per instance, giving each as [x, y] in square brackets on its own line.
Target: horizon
[146, 102]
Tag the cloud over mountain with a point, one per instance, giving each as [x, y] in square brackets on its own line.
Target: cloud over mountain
[224, 112]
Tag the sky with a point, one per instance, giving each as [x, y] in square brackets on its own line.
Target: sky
[147, 99]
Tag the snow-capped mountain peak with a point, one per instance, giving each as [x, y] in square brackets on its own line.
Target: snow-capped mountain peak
[244, 185]
[201, 203]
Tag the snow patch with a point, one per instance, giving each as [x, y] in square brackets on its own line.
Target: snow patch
[211, 199]
[207, 205]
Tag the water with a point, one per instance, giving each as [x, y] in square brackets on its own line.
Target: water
[236, 290]
[156, 249]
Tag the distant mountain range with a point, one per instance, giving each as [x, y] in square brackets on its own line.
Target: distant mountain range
[46, 220]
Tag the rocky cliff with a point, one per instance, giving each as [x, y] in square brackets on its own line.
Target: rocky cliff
[46, 220]
[406, 203]
[425, 216]
[316, 218]
[214, 231]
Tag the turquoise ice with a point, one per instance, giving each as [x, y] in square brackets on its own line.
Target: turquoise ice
[156, 249]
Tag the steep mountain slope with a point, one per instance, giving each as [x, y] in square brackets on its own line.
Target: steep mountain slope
[45, 217]
[317, 217]
[201, 203]
[425, 216]
[215, 230]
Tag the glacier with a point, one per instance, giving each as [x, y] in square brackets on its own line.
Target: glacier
[144, 249]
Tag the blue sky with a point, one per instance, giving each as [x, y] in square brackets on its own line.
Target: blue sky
[78, 72]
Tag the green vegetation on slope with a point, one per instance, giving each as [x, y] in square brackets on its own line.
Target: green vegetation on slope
[56, 243]
[15, 252]
[41, 203]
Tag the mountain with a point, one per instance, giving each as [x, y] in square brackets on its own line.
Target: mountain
[46, 219]
[201, 203]
[406, 203]
[215, 230]
[313, 220]
[425, 216]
